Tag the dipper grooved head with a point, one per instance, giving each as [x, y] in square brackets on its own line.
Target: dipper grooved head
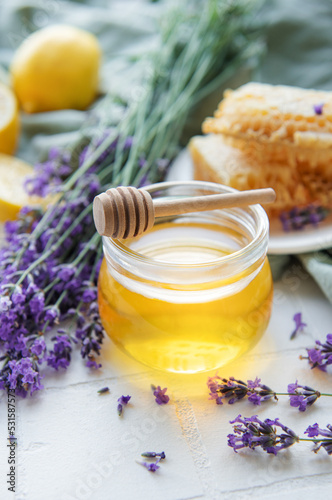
[123, 212]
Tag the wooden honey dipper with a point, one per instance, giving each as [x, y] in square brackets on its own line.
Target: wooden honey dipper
[126, 212]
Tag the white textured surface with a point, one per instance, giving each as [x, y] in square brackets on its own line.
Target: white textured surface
[73, 445]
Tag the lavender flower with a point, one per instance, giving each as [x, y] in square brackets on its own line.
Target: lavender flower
[302, 396]
[160, 395]
[22, 376]
[320, 356]
[314, 431]
[49, 176]
[234, 390]
[298, 218]
[60, 356]
[12, 440]
[123, 401]
[92, 363]
[299, 325]
[253, 433]
[152, 467]
[318, 108]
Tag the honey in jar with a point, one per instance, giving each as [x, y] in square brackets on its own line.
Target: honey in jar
[193, 293]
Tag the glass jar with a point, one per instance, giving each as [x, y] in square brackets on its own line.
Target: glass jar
[193, 293]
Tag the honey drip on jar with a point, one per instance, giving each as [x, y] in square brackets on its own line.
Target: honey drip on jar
[169, 331]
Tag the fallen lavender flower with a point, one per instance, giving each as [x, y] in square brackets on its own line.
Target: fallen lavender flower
[298, 218]
[320, 356]
[153, 454]
[160, 395]
[234, 390]
[299, 325]
[123, 401]
[152, 467]
[314, 430]
[253, 433]
[103, 390]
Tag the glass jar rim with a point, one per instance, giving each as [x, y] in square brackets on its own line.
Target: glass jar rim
[255, 248]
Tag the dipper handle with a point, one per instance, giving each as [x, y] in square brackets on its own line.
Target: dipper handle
[126, 212]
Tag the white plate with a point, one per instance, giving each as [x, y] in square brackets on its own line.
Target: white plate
[291, 242]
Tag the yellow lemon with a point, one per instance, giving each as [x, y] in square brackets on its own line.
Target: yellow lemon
[13, 196]
[56, 68]
[9, 123]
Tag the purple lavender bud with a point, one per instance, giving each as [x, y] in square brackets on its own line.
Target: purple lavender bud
[318, 108]
[255, 399]
[89, 295]
[160, 395]
[149, 454]
[66, 273]
[151, 467]
[38, 347]
[302, 397]
[37, 304]
[299, 325]
[153, 454]
[103, 390]
[91, 363]
[124, 400]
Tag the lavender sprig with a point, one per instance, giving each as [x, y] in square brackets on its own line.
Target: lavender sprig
[320, 356]
[254, 433]
[234, 390]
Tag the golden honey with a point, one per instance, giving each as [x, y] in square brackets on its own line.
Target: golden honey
[185, 336]
[189, 296]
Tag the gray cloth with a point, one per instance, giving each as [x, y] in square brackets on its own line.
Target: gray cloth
[299, 48]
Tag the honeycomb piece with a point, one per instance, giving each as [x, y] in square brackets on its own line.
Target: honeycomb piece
[288, 154]
[216, 161]
[274, 114]
[318, 181]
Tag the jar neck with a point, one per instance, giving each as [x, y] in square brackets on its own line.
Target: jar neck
[247, 230]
